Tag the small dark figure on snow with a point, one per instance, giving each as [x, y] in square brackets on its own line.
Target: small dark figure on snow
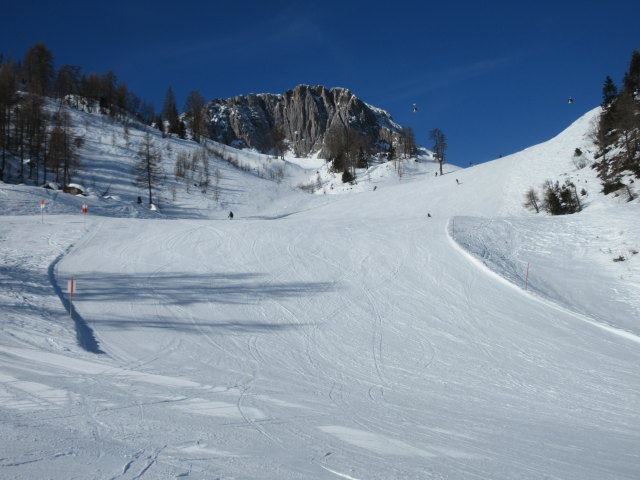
[429, 215]
[230, 216]
[457, 181]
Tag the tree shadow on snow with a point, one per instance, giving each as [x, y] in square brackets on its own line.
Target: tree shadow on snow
[223, 327]
[187, 288]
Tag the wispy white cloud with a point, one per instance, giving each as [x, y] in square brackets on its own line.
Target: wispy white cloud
[425, 81]
[291, 29]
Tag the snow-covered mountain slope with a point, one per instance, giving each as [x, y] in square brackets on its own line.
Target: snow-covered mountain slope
[324, 336]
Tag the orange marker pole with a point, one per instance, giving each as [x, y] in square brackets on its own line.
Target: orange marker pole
[71, 288]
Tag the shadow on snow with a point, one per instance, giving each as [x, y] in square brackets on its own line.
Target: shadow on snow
[230, 327]
[187, 288]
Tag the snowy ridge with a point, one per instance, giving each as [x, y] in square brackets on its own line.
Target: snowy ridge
[315, 335]
[517, 250]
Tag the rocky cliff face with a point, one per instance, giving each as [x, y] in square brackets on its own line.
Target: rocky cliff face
[303, 114]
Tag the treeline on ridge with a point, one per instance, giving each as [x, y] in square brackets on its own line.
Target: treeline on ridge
[42, 142]
[616, 135]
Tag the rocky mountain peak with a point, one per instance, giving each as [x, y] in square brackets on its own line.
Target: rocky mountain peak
[303, 114]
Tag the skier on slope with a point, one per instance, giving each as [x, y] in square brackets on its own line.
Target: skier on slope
[230, 217]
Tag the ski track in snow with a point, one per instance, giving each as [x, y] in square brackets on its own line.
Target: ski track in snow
[336, 336]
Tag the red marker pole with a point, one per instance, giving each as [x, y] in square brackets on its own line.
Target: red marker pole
[42, 210]
[84, 210]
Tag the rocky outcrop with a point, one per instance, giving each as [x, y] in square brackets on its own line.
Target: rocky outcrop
[303, 115]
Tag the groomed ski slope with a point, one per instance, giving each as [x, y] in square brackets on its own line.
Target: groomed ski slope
[343, 336]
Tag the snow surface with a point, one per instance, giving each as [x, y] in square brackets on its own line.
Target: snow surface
[319, 336]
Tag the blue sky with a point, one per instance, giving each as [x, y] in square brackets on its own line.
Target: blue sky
[493, 76]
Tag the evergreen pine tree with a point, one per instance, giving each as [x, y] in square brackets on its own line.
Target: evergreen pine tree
[170, 112]
[609, 92]
[551, 200]
[38, 70]
[8, 98]
[195, 115]
[631, 81]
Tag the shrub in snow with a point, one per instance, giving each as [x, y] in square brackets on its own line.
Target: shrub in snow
[347, 177]
[579, 160]
[73, 189]
[560, 200]
[532, 201]
[611, 186]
